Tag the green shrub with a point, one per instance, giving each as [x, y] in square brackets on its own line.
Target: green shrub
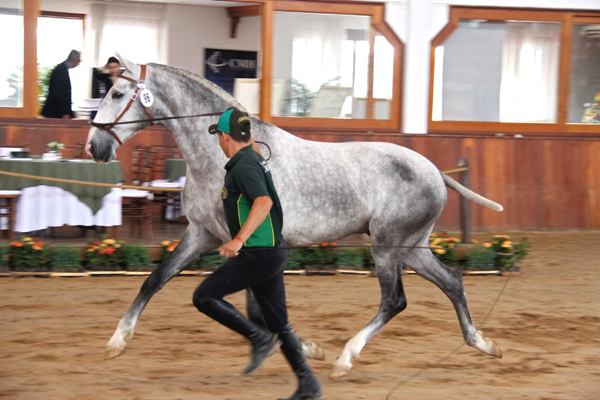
[367, 257]
[210, 263]
[296, 259]
[65, 257]
[4, 256]
[136, 255]
[350, 258]
[481, 258]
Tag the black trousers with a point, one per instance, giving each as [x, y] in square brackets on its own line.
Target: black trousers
[258, 269]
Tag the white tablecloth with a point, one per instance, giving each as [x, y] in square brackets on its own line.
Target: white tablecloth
[40, 207]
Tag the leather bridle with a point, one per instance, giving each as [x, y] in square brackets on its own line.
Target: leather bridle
[139, 84]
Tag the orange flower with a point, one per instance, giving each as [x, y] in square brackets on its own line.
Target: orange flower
[324, 244]
[17, 244]
[110, 250]
[451, 240]
[38, 246]
[172, 247]
[334, 244]
[96, 243]
[441, 234]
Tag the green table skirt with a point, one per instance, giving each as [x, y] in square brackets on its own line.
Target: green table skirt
[83, 170]
[174, 169]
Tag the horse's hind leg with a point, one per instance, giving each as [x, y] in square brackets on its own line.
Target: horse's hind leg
[195, 240]
[389, 264]
[450, 281]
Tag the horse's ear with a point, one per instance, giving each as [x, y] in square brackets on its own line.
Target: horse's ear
[130, 66]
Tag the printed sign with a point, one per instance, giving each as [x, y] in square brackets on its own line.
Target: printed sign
[224, 66]
[146, 98]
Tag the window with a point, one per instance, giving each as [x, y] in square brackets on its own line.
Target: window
[584, 88]
[498, 71]
[516, 70]
[336, 61]
[57, 35]
[12, 60]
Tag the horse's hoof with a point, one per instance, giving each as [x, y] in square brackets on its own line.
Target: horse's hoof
[487, 346]
[312, 350]
[339, 371]
[494, 348]
[113, 352]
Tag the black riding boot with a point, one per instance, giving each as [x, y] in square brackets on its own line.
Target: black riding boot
[263, 343]
[308, 385]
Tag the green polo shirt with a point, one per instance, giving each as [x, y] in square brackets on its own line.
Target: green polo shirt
[248, 177]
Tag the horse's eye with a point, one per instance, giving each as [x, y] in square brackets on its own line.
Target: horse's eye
[117, 95]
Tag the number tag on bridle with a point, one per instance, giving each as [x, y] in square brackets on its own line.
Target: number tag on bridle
[146, 98]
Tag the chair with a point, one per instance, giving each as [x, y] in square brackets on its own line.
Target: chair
[136, 203]
[8, 209]
[170, 201]
[9, 198]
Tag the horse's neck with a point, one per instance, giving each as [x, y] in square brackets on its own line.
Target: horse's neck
[185, 95]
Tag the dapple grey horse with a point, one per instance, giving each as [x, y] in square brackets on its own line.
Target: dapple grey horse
[327, 190]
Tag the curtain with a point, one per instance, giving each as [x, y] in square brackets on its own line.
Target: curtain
[529, 82]
[135, 31]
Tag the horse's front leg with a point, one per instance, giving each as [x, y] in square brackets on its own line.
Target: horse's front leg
[195, 240]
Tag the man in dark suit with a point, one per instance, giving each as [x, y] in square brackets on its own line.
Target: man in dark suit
[58, 102]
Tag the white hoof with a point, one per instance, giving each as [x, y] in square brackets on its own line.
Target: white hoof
[312, 350]
[338, 371]
[116, 345]
[487, 346]
[113, 351]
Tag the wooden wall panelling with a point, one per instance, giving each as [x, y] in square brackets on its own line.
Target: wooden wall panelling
[593, 179]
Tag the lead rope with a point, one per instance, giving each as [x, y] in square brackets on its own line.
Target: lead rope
[441, 360]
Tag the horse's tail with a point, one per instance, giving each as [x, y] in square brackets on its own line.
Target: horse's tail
[469, 194]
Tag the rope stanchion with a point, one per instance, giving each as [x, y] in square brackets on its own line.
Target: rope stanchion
[109, 185]
[149, 188]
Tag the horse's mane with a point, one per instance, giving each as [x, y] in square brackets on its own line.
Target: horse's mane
[205, 83]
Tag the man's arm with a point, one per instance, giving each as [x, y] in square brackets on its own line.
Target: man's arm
[258, 213]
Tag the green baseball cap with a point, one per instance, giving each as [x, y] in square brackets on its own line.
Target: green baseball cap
[233, 122]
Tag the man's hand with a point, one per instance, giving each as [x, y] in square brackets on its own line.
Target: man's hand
[231, 249]
[66, 116]
[88, 150]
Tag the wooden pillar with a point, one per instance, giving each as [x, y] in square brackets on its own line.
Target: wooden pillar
[465, 204]
[267, 15]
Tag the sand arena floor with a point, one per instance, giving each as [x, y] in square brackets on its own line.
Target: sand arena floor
[547, 324]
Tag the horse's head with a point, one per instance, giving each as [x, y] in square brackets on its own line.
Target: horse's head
[123, 103]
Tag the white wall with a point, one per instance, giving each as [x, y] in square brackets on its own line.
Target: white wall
[191, 29]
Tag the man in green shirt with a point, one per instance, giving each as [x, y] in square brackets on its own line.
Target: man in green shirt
[255, 219]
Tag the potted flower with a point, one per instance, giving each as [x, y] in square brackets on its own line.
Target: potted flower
[106, 255]
[444, 248]
[55, 149]
[28, 255]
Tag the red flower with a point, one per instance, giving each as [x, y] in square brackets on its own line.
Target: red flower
[110, 250]
[17, 244]
[96, 243]
[324, 244]
[334, 244]
[451, 240]
[441, 234]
